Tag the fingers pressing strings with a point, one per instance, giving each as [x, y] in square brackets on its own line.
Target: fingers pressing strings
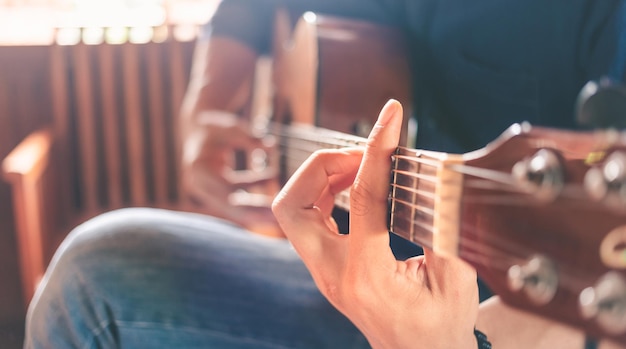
[313, 187]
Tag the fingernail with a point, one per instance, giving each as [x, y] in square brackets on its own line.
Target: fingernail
[389, 110]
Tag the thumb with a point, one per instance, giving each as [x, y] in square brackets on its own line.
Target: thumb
[370, 191]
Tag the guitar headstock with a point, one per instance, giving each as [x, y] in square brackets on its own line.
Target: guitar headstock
[544, 223]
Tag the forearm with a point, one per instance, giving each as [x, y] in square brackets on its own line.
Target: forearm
[221, 78]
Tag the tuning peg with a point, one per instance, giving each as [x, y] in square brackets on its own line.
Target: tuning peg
[607, 183]
[602, 104]
[605, 302]
[540, 174]
[537, 278]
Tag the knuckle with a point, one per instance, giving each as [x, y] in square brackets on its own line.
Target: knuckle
[320, 155]
[360, 198]
[278, 206]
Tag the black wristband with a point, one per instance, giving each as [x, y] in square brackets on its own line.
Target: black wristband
[590, 343]
[481, 338]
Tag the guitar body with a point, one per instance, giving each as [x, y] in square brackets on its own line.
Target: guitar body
[338, 73]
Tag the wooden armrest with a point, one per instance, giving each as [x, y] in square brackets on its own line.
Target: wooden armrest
[29, 158]
[23, 168]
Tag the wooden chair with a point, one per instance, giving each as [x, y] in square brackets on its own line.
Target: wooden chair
[113, 143]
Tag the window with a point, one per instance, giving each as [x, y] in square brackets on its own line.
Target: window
[41, 21]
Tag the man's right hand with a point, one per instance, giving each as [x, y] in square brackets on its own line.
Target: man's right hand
[212, 180]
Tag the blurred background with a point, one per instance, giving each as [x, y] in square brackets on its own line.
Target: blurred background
[88, 83]
[35, 21]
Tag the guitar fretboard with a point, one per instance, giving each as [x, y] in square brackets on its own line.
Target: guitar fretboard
[413, 186]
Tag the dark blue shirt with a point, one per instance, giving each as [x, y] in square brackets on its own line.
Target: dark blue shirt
[480, 65]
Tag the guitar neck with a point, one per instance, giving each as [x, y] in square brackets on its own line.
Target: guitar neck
[424, 193]
[517, 211]
[425, 199]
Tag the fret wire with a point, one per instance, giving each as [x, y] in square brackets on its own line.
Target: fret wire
[413, 175]
[425, 239]
[420, 209]
[423, 193]
[429, 228]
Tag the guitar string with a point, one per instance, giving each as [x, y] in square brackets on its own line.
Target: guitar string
[498, 180]
[493, 243]
[476, 253]
[428, 212]
[572, 192]
[499, 243]
[568, 277]
[577, 197]
[418, 206]
[473, 251]
[335, 140]
[412, 175]
[412, 190]
[493, 176]
[495, 199]
[499, 259]
[502, 181]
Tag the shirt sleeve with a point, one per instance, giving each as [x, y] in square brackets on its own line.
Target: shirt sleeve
[251, 21]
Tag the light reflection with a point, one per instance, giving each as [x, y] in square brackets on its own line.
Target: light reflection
[68, 22]
[140, 35]
[116, 35]
[185, 32]
[160, 34]
[93, 35]
[68, 36]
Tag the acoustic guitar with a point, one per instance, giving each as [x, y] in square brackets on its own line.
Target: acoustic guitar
[540, 213]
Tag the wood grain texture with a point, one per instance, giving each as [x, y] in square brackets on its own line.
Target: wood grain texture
[25, 103]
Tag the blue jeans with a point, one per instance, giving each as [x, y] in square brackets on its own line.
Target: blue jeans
[147, 278]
